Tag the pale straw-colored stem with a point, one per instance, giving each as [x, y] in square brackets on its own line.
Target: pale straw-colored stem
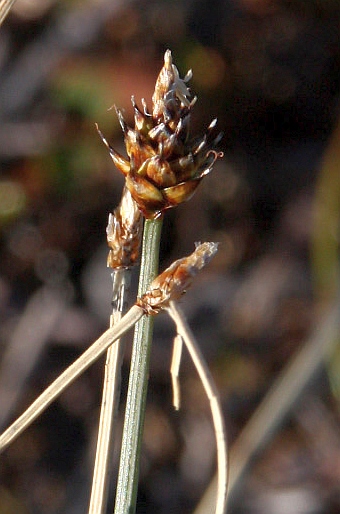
[174, 371]
[5, 6]
[216, 411]
[69, 375]
[25, 346]
[109, 404]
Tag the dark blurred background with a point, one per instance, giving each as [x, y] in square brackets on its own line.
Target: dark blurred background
[269, 70]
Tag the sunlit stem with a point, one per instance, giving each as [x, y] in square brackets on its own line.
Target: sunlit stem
[110, 401]
[216, 411]
[69, 375]
[128, 476]
[174, 371]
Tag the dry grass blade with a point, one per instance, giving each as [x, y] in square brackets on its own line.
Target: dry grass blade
[25, 346]
[101, 473]
[69, 375]
[174, 370]
[124, 233]
[109, 405]
[5, 7]
[213, 397]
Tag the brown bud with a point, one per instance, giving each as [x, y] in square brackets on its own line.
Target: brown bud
[124, 232]
[174, 281]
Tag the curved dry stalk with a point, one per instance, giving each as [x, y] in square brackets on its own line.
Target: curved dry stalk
[213, 397]
[277, 403]
[69, 375]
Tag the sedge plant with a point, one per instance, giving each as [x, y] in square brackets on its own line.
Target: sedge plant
[163, 168]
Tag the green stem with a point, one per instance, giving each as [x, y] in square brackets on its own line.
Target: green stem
[127, 485]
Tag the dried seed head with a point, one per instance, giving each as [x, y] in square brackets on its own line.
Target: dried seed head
[124, 231]
[164, 165]
[174, 281]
